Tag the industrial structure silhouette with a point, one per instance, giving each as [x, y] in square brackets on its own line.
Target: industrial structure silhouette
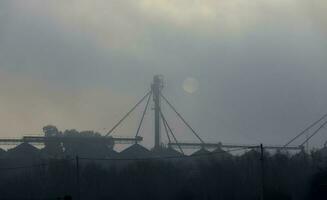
[174, 147]
[76, 151]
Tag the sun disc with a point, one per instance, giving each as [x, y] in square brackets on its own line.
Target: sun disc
[190, 85]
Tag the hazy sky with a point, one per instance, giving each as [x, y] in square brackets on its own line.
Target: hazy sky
[257, 67]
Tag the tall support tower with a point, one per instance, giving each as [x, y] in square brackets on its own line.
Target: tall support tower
[157, 86]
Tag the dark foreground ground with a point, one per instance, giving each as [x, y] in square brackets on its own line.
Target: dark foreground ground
[227, 177]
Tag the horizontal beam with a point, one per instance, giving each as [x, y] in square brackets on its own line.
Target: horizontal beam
[123, 140]
[228, 146]
[42, 140]
[194, 145]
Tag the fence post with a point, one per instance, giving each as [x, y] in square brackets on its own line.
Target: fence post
[77, 179]
[262, 195]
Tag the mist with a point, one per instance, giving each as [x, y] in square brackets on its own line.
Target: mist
[260, 64]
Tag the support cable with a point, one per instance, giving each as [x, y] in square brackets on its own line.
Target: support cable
[143, 115]
[127, 114]
[181, 117]
[166, 130]
[314, 133]
[171, 132]
[305, 130]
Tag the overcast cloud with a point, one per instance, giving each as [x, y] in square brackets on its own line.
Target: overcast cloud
[260, 65]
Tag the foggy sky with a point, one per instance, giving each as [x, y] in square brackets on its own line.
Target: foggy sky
[260, 64]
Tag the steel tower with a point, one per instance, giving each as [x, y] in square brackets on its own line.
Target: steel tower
[156, 87]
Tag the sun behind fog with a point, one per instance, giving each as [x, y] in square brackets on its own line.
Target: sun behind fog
[190, 85]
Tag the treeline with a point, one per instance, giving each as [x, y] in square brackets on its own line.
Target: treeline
[54, 171]
[286, 177]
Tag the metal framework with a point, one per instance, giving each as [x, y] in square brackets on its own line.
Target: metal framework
[156, 90]
[156, 94]
[192, 145]
[41, 140]
[128, 113]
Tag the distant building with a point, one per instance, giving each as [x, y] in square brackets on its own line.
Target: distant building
[135, 151]
[2, 153]
[166, 152]
[24, 151]
[22, 154]
[323, 152]
[110, 153]
[221, 154]
[202, 152]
